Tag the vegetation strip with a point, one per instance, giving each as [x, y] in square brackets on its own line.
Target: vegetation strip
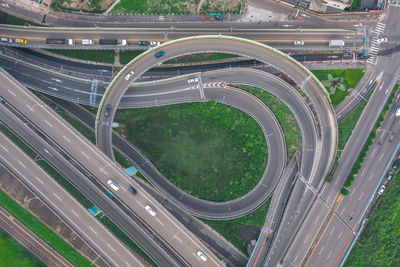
[379, 243]
[13, 253]
[369, 142]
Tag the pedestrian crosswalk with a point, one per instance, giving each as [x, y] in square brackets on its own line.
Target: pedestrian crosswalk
[373, 49]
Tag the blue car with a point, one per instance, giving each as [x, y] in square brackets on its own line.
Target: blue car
[159, 54]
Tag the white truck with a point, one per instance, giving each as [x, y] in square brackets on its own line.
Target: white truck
[337, 43]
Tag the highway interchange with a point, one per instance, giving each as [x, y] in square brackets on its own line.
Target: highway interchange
[311, 199]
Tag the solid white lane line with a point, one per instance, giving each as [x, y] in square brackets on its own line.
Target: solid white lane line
[75, 213]
[21, 163]
[160, 221]
[4, 148]
[83, 153]
[48, 123]
[92, 230]
[69, 141]
[37, 178]
[56, 196]
[340, 234]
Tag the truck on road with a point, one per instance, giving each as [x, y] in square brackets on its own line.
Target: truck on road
[108, 41]
[337, 43]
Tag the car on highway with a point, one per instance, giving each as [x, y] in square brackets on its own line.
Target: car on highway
[132, 190]
[381, 39]
[107, 110]
[397, 113]
[129, 75]
[381, 190]
[143, 42]
[193, 80]
[347, 55]
[7, 40]
[150, 210]
[155, 43]
[2, 100]
[201, 255]
[113, 185]
[298, 42]
[159, 54]
[389, 175]
[87, 42]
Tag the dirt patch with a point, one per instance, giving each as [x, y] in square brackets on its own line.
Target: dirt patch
[15, 189]
[248, 232]
[85, 5]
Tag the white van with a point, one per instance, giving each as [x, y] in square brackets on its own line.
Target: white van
[150, 210]
[113, 185]
[397, 113]
[87, 42]
[71, 42]
[124, 42]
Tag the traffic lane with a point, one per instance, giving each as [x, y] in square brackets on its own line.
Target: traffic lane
[119, 217]
[29, 240]
[88, 155]
[37, 36]
[63, 204]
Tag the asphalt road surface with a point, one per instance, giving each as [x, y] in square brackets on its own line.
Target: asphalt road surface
[184, 243]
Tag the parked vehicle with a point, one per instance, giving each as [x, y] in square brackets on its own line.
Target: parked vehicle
[397, 113]
[150, 210]
[381, 190]
[298, 42]
[389, 175]
[108, 41]
[336, 43]
[2, 100]
[143, 42]
[55, 41]
[159, 54]
[20, 41]
[71, 42]
[7, 40]
[347, 55]
[396, 164]
[87, 42]
[107, 110]
[113, 185]
[381, 39]
[124, 42]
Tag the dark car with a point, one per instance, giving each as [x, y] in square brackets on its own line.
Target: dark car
[132, 190]
[159, 54]
[347, 55]
[2, 100]
[107, 111]
[143, 42]
[396, 164]
[364, 56]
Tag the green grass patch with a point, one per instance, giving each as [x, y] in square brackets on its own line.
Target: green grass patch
[175, 7]
[209, 150]
[285, 117]
[45, 233]
[379, 241]
[14, 254]
[200, 57]
[125, 56]
[13, 20]
[102, 56]
[339, 83]
[355, 5]
[229, 228]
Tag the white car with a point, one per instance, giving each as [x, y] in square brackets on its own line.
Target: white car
[193, 80]
[397, 113]
[201, 255]
[150, 210]
[129, 75]
[298, 42]
[155, 43]
[381, 190]
[113, 185]
[381, 40]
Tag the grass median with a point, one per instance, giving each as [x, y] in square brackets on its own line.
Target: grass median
[209, 150]
[379, 243]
